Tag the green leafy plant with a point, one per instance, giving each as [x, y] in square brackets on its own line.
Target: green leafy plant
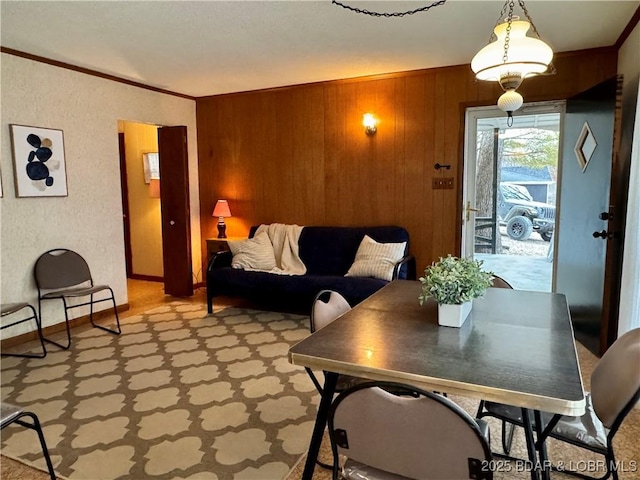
[454, 280]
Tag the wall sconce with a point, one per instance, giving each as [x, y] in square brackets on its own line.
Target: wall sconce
[221, 210]
[154, 188]
[370, 123]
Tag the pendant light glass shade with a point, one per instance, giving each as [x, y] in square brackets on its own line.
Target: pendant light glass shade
[510, 101]
[526, 56]
[512, 57]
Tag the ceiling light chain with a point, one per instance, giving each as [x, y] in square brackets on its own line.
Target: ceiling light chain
[505, 57]
[389, 14]
[551, 70]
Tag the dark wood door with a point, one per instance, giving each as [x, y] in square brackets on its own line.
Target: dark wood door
[588, 249]
[174, 201]
[125, 205]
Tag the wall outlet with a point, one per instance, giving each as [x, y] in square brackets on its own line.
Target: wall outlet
[443, 183]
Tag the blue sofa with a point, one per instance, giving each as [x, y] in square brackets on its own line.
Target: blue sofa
[327, 252]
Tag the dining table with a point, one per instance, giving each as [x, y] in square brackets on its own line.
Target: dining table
[516, 347]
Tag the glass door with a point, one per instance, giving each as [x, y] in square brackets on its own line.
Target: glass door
[509, 196]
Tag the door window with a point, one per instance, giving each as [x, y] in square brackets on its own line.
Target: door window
[510, 190]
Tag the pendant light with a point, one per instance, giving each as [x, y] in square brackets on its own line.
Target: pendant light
[511, 56]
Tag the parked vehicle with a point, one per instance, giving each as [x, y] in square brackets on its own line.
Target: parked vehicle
[522, 215]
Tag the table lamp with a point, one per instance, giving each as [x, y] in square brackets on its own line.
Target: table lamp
[221, 210]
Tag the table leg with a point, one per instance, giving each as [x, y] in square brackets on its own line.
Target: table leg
[329, 389]
[531, 445]
[542, 447]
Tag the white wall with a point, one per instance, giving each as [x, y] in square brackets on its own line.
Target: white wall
[629, 66]
[89, 219]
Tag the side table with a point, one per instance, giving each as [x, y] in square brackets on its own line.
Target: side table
[215, 245]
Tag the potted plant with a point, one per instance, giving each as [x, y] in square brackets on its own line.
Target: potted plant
[454, 282]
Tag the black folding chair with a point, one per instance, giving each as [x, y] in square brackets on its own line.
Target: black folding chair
[13, 414]
[7, 309]
[62, 274]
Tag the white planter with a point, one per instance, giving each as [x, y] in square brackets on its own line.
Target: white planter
[453, 315]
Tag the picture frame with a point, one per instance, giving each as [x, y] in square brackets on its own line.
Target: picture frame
[151, 166]
[38, 161]
[585, 146]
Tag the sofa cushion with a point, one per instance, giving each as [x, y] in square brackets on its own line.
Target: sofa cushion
[253, 253]
[377, 260]
[294, 289]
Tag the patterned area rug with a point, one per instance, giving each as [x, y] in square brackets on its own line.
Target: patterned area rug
[179, 395]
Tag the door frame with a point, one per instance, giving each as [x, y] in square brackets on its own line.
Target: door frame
[124, 191]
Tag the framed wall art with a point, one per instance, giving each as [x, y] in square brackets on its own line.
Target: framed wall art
[585, 146]
[151, 165]
[38, 161]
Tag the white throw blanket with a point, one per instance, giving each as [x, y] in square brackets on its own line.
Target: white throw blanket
[284, 239]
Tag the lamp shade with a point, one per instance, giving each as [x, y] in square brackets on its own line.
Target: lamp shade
[526, 56]
[221, 209]
[510, 101]
[369, 122]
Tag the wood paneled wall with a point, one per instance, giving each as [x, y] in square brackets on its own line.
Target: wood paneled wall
[300, 154]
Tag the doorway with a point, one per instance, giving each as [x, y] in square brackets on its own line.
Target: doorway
[155, 196]
[510, 186]
[141, 201]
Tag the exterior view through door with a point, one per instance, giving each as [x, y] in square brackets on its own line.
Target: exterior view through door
[510, 183]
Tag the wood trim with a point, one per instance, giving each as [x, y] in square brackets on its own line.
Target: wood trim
[148, 278]
[388, 76]
[88, 71]
[60, 327]
[628, 29]
[124, 185]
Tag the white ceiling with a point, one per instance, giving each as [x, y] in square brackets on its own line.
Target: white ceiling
[210, 47]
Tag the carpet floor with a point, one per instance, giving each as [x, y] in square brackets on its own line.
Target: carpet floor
[183, 395]
[179, 395]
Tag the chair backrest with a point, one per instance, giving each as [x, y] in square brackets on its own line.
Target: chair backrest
[420, 436]
[499, 282]
[327, 306]
[61, 268]
[615, 382]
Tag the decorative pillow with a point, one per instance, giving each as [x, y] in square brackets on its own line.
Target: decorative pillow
[375, 259]
[253, 253]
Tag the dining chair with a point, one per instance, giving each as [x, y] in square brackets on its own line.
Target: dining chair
[7, 309]
[499, 282]
[615, 389]
[13, 414]
[328, 306]
[63, 274]
[419, 435]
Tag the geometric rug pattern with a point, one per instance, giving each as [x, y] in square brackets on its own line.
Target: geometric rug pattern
[178, 395]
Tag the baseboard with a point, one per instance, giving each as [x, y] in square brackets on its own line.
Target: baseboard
[148, 278]
[60, 327]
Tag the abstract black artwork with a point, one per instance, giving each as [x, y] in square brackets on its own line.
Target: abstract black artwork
[39, 162]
